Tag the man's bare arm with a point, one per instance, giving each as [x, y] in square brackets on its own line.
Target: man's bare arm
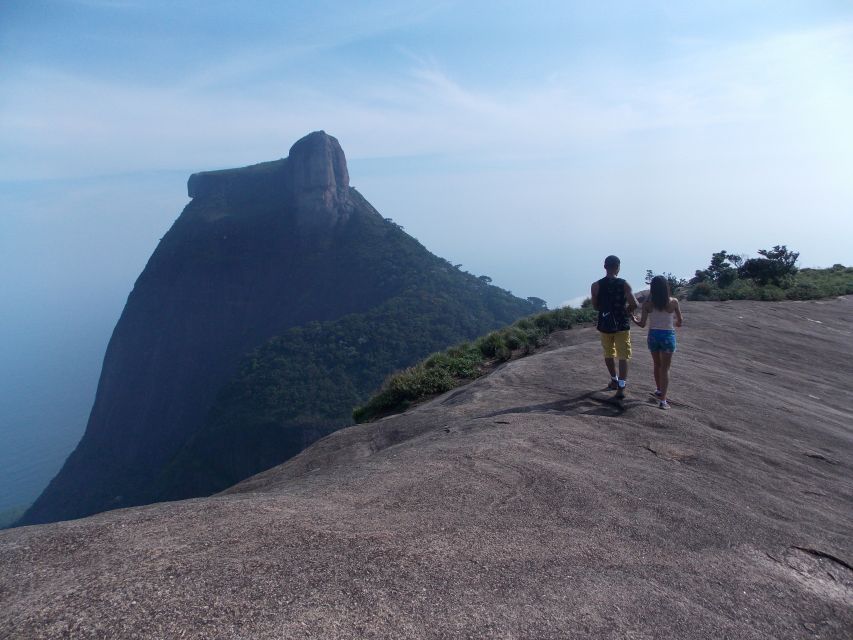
[593, 295]
[642, 321]
[629, 296]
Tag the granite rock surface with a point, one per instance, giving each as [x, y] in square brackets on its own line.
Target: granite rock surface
[527, 504]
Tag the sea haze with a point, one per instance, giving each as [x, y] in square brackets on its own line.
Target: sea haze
[70, 252]
[49, 375]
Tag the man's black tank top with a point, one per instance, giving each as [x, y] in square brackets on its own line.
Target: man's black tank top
[612, 313]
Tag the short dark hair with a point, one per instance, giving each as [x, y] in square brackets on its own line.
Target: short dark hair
[611, 262]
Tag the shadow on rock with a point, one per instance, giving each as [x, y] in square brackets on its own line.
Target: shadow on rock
[593, 403]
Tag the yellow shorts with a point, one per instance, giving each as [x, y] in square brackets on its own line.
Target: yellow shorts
[617, 345]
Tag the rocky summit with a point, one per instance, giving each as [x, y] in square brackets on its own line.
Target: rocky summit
[526, 504]
[278, 300]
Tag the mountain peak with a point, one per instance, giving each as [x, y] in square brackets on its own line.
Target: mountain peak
[269, 250]
[315, 164]
[317, 161]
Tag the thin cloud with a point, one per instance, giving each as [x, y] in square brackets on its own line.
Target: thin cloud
[57, 125]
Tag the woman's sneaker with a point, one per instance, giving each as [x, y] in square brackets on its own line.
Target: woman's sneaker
[663, 404]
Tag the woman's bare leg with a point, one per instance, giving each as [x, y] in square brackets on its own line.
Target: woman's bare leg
[656, 360]
[665, 362]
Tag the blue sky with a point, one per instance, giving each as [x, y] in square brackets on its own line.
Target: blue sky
[525, 141]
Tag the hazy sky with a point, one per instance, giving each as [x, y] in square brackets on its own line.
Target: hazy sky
[523, 140]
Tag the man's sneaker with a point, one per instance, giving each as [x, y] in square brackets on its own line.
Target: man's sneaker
[658, 393]
[663, 404]
[620, 391]
[613, 385]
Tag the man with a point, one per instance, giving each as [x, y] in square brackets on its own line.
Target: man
[613, 299]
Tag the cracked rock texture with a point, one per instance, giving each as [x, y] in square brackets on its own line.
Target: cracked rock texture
[524, 505]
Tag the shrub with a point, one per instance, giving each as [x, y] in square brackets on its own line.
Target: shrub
[545, 321]
[804, 291]
[443, 371]
[772, 276]
[701, 291]
[491, 344]
[739, 290]
[515, 338]
[771, 293]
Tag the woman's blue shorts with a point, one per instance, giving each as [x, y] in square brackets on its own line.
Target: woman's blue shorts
[661, 340]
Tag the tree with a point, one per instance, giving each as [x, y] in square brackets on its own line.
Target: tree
[721, 271]
[775, 266]
[538, 302]
[674, 283]
[485, 279]
[782, 256]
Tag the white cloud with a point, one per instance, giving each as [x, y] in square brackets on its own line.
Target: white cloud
[796, 85]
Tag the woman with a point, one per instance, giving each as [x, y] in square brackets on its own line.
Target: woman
[663, 314]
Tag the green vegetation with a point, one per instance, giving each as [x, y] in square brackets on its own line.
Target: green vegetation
[455, 366]
[771, 276]
[302, 384]
[675, 284]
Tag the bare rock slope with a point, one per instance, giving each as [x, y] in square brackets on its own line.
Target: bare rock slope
[524, 505]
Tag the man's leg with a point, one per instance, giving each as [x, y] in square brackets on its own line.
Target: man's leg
[609, 346]
[623, 351]
[623, 369]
